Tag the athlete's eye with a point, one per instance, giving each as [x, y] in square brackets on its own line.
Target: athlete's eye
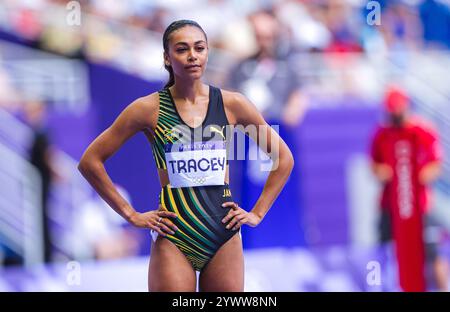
[181, 49]
[200, 48]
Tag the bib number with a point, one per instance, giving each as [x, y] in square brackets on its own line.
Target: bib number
[196, 164]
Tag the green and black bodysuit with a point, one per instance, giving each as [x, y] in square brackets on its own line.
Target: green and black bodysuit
[196, 160]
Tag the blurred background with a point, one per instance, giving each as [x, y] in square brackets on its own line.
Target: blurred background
[318, 69]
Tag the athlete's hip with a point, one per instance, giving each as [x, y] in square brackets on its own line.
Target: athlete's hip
[198, 202]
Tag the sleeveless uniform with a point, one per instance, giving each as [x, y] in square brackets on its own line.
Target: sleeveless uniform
[195, 159]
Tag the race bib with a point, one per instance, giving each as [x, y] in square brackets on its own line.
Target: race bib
[196, 164]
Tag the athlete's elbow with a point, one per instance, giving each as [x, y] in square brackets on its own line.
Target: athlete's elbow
[86, 164]
[286, 162]
[290, 162]
[83, 166]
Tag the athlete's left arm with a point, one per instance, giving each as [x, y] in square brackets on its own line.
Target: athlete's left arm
[245, 114]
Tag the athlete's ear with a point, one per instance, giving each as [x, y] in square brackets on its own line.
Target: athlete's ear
[166, 59]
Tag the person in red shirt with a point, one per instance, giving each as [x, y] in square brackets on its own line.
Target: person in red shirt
[400, 123]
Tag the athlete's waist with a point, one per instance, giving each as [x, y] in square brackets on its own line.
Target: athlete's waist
[169, 186]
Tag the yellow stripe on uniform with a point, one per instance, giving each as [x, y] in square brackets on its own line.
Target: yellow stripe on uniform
[184, 246]
[193, 215]
[187, 237]
[172, 201]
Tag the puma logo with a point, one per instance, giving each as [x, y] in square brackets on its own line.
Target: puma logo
[226, 193]
[213, 129]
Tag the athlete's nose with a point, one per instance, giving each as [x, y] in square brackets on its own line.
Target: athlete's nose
[191, 56]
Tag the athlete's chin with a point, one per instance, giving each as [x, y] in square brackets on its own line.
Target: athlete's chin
[194, 76]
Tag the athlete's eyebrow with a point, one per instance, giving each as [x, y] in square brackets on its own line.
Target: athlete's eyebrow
[185, 43]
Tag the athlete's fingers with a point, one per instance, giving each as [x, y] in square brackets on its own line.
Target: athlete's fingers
[240, 223]
[162, 228]
[165, 228]
[231, 204]
[157, 229]
[232, 213]
[160, 231]
[233, 225]
[167, 214]
[229, 215]
[242, 220]
[235, 220]
[169, 224]
[159, 223]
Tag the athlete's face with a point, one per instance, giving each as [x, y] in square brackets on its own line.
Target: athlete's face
[188, 52]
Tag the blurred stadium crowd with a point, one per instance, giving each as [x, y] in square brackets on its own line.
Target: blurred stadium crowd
[127, 34]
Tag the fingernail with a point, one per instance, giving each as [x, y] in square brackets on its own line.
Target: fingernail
[223, 205]
[172, 232]
[227, 226]
[223, 220]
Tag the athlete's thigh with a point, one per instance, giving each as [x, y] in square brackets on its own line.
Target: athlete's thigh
[225, 271]
[169, 269]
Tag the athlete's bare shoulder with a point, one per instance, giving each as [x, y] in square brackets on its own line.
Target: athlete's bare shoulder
[145, 110]
[231, 97]
[232, 101]
[241, 109]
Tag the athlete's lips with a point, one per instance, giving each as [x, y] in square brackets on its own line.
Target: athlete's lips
[192, 66]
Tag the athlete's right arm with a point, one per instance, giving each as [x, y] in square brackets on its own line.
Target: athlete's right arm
[138, 116]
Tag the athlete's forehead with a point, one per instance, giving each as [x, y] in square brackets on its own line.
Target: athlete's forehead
[188, 35]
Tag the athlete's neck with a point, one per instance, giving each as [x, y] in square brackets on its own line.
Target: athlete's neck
[189, 91]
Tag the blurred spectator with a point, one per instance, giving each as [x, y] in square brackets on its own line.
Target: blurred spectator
[41, 156]
[26, 21]
[158, 20]
[237, 38]
[401, 26]
[111, 9]
[339, 17]
[308, 31]
[435, 16]
[428, 158]
[9, 96]
[267, 78]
